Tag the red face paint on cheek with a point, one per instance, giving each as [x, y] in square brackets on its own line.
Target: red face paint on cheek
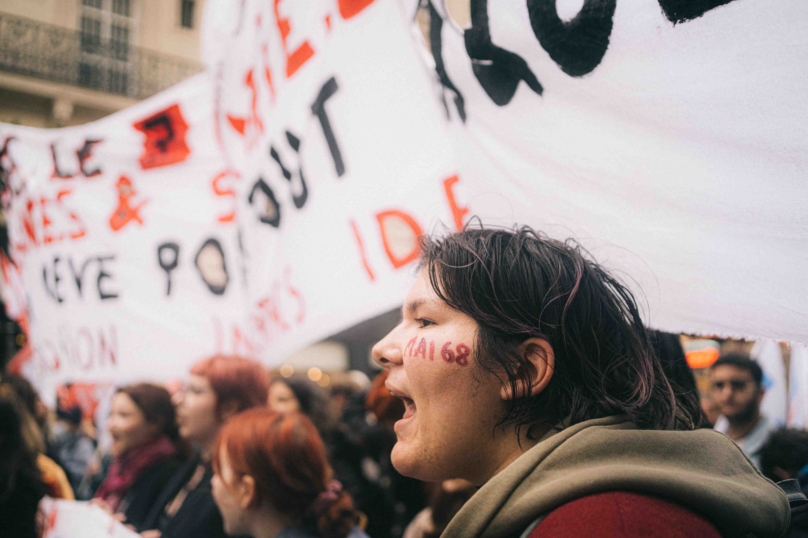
[410, 346]
[432, 350]
[463, 352]
[421, 349]
[459, 356]
[446, 353]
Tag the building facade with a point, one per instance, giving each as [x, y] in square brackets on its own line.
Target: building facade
[68, 62]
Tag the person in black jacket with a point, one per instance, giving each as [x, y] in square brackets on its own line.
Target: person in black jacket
[218, 388]
[146, 449]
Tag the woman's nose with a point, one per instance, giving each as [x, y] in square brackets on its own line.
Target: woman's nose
[387, 351]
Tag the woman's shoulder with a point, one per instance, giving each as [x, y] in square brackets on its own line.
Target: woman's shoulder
[623, 514]
[54, 478]
[157, 475]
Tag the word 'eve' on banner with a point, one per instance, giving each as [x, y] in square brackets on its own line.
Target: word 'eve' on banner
[117, 260]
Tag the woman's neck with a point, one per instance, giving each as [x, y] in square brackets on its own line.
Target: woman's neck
[268, 523]
[206, 448]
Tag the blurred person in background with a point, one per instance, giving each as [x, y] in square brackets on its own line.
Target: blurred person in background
[218, 388]
[54, 477]
[736, 383]
[344, 390]
[73, 448]
[444, 503]
[298, 393]
[21, 485]
[709, 409]
[273, 480]
[35, 407]
[343, 447]
[785, 456]
[146, 448]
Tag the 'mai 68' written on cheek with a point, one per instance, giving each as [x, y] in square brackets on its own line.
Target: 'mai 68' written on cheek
[430, 350]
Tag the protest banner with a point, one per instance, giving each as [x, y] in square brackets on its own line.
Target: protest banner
[253, 210]
[328, 117]
[670, 137]
[119, 265]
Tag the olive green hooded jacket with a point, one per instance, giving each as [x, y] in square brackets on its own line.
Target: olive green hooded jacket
[701, 470]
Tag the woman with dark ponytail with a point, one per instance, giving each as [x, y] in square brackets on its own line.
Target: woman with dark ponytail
[146, 450]
[272, 480]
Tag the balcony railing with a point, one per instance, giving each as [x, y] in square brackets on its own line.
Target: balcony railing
[57, 54]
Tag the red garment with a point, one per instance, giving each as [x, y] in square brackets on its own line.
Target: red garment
[625, 515]
[125, 469]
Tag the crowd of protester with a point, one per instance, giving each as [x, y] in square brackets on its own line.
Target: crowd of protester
[241, 451]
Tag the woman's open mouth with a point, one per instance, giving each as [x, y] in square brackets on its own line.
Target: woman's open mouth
[409, 407]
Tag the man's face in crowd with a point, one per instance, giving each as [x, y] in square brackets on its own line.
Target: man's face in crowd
[736, 393]
[452, 406]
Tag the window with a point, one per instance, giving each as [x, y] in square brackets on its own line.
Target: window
[89, 75]
[90, 34]
[119, 42]
[92, 3]
[187, 13]
[118, 81]
[120, 7]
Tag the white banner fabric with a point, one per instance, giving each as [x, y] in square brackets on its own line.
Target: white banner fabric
[74, 519]
[253, 210]
[125, 254]
[670, 137]
[329, 118]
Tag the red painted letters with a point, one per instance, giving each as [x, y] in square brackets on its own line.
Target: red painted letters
[459, 355]
[352, 8]
[296, 58]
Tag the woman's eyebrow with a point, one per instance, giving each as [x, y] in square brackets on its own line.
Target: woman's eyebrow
[412, 307]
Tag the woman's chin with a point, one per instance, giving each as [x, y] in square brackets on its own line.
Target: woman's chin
[406, 463]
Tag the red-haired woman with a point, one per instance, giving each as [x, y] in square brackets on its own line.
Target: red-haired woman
[273, 480]
[146, 450]
[218, 388]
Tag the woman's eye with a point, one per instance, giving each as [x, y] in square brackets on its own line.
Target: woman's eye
[424, 322]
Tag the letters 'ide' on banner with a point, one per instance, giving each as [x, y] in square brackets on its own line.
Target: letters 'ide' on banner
[277, 198]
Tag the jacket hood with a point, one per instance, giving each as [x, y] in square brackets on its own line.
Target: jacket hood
[701, 470]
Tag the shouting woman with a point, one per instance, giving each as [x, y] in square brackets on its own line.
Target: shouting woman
[525, 369]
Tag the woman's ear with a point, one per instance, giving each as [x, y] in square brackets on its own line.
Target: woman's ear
[246, 492]
[538, 354]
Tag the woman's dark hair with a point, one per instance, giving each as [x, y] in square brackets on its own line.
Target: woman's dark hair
[668, 347]
[154, 402]
[741, 361]
[517, 284]
[312, 399]
[21, 485]
[787, 449]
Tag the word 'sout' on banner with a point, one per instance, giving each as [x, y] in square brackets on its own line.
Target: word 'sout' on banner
[669, 136]
[328, 118]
